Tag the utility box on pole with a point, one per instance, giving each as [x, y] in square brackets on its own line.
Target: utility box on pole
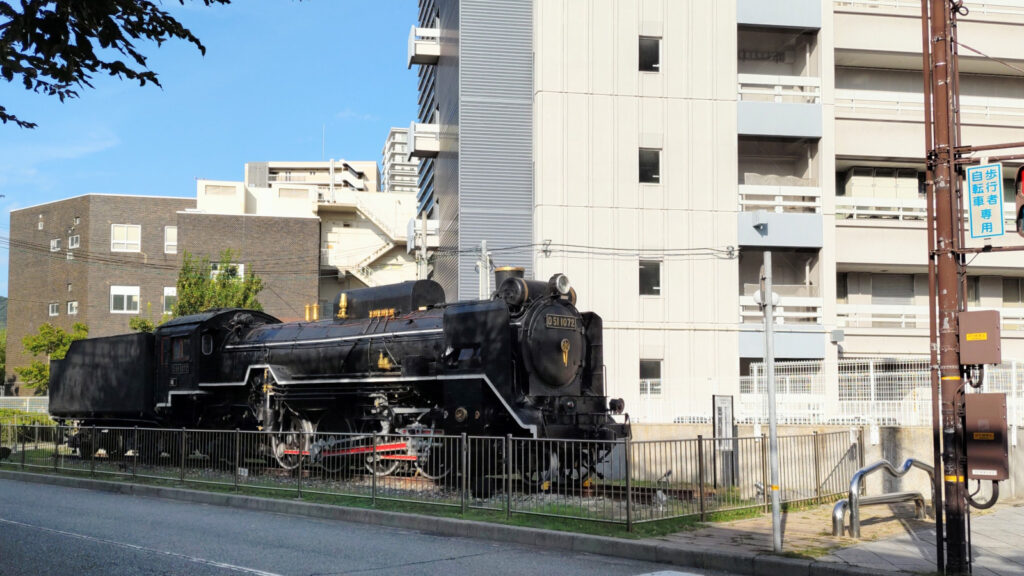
[987, 453]
[980, 338]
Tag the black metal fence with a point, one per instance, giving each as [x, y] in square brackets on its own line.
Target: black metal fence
[621, 482]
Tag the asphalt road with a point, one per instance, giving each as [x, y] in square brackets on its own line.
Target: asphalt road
[57, 530]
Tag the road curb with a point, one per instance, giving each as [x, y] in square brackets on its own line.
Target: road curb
[650, 550]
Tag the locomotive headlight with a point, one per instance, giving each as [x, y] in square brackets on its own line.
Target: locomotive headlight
[561, 283]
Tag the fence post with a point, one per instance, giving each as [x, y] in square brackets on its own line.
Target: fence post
[238, 452]
[373, 472]
[817, 468]
[35, 434]
[629, 483]
[764, 472]
[700, 474]
[92, 451]
[860, 447]
[22, 450]
[184, 439]
[463, 467]
[298, 471]
[56, 447]
[508, 476]
[136, 451]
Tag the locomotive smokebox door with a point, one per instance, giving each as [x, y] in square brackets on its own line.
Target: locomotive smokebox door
[979, 337]
[986, 437]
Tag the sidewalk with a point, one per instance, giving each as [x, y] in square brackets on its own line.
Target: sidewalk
[892, 540]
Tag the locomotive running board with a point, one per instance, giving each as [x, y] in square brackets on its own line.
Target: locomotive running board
[532, 428]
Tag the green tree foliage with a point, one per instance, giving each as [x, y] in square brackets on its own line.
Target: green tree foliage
[52, 344]
[200, 289]
[146, 323]
[55, 47]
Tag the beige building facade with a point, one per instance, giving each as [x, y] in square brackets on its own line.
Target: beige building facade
[672, 143]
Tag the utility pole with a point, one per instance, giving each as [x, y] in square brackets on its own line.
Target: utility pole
[945, 264]
[768, 305]
[484, 269]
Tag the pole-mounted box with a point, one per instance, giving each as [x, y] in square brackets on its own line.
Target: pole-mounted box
[980, 338]
[987, 454]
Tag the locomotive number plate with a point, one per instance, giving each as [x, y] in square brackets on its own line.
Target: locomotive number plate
[180, 368]
[560, 322]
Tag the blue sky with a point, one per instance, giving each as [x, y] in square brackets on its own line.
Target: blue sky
[276, 75]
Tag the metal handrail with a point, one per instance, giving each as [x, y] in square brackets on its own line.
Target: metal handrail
[853, 502]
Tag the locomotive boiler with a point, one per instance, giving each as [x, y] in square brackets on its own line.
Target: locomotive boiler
[392, 360]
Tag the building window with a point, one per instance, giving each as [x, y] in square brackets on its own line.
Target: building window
[842, 288]
[124, 299]
[71, 256]
[650, 377]
[974, 290]
[650, 54]
[892, 289]
[233, 270]
[1013, 292]
[78, 220]
[650, 165]
[125, 238]
[55, 245]
[54, 309]
[650, 278]
[39, 226]
[74, 242]
[170, 299]
[72, 308]
[170, 239]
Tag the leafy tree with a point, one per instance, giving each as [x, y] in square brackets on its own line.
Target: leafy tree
[54, 47]
[199, 288]
[53, 343]
[146, 323]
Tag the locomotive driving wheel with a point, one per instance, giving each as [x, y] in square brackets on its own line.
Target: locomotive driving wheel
[290, 440]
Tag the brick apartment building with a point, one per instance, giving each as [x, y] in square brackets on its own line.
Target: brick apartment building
[102, 259]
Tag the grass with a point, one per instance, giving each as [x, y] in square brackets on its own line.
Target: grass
[543, 515]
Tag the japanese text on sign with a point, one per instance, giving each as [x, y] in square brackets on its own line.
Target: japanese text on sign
[985, 200]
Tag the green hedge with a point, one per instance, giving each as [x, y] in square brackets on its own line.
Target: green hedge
[10, 416]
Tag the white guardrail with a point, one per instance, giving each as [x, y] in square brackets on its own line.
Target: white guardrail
[992, 7]
[851, 208]
[769, 88]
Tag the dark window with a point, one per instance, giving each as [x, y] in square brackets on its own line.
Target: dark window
[842, 288]
[207, 344]
[650, 278]
[179, 350]
[650, 165]
[650, 54]
[650, 377]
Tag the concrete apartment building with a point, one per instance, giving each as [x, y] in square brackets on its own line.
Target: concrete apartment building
[308, 229]
[653, 149]
[399, 171]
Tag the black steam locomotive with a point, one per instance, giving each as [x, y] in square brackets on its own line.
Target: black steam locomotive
[393, 360]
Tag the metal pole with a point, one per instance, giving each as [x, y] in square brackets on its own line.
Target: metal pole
[817, 469]
[700, 475]
[508, 476]
[135, 456]
[485, 272]
[773, 433]
[92, 451]
[22, 450]
[424, 271]
[629, 484]
[463, 456]
[238, 452]
[56, 446]
[184, 439]
[764, 469]
[373, 472]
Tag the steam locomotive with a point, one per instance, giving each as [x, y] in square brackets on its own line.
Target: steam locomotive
[392, 360]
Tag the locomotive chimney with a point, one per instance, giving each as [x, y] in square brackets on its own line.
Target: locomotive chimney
[503, 272]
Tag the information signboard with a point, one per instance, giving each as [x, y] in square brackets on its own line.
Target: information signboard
[985, 200]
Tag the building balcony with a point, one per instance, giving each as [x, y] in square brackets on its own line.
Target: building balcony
[780, 198]
[894, 210]
[786, 13]
[424, 46]
[903, 106]
[908, 317]
[788, 106]
[887, 34]
[424, 140]
[798, 304]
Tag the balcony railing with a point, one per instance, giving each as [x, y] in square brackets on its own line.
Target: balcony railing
[779, 198]
[767, 88]
[799, 304]
[899, 316]
[871, 104]
[898, 209]
[424, 139]
[993, 7]
[424, 46]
